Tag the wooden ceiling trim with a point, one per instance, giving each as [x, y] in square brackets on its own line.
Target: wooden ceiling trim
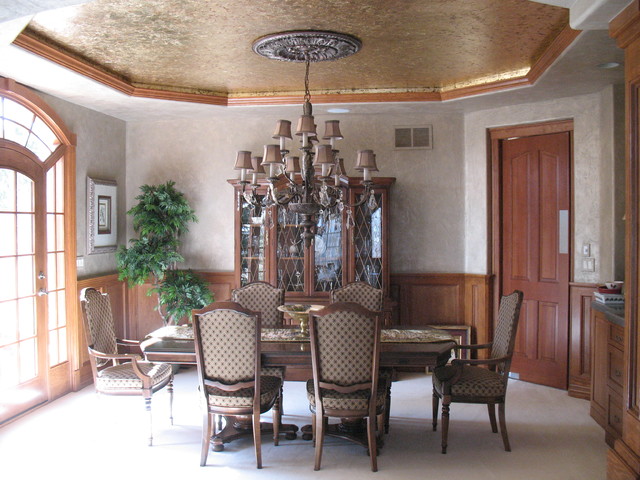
[40, 48]
[551, 54]
[625, 28]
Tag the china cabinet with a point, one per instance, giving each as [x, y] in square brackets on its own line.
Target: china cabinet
[350, 243]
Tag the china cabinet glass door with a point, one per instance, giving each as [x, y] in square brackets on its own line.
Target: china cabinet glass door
[368, 242]
[328, 258]
[290, 252]
[253, 242]
[309, 271]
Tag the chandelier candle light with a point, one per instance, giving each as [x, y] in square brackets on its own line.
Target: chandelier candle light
[315, 192]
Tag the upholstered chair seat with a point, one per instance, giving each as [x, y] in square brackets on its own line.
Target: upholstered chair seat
[358, 400]
[122, 377]
[243, 398]
[476, 382]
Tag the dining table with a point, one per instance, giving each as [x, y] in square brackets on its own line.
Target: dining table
[423, 347]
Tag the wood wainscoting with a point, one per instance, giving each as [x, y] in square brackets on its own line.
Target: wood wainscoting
[444, 299]
[580, 298]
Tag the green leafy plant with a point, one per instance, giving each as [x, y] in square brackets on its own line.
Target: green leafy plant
[180, 292]
[160, 217]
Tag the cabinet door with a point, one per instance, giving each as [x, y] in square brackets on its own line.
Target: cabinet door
[290, 252]
[368, 224]
[253, 241]
[328, 252]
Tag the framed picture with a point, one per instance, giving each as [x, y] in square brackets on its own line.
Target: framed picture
[102, 216]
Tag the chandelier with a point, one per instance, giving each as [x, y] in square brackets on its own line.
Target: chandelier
[294, 182]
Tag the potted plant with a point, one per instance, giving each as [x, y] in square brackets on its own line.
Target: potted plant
[160, 218]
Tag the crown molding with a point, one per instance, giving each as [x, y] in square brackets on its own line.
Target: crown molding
[44, 50]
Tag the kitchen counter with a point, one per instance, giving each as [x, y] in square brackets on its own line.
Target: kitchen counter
[614, 313]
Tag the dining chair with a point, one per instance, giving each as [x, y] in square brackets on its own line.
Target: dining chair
[373, 299]
[345, 356]
[227, 344]
[265, 298]
[361, 293]
[116, 373]
[468, 381]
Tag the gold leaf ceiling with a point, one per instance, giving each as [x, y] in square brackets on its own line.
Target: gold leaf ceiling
[204, 47]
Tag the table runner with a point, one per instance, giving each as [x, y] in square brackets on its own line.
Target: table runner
[392, 335]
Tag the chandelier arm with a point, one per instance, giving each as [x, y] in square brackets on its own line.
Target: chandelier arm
[284, 199]
[368, 191]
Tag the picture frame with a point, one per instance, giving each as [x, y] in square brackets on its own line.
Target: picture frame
[102, 216]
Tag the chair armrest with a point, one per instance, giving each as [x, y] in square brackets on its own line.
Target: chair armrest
[115, 356]
[127, 342]
[477, 362]
[134, 358]
[450, 374]
[477, 346]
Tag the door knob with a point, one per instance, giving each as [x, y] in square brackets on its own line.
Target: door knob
[42, 292]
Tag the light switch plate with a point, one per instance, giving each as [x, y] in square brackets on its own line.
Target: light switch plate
[588, 264]
[586, 249]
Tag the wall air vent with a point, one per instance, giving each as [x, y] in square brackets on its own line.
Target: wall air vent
[412, 138]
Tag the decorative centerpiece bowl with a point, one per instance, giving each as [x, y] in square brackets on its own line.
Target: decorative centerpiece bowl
[300, 314]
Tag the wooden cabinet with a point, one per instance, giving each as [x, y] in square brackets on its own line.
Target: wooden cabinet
[350, 244]
[607, 372]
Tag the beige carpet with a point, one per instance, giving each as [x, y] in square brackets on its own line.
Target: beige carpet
[87, 436]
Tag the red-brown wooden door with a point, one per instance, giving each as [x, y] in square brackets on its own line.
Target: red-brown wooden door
[535, 252]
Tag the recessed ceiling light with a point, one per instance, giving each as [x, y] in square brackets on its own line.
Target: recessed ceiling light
[609, 65]
[338, 110]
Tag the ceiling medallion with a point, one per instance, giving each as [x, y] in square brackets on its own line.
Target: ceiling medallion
[308, 45]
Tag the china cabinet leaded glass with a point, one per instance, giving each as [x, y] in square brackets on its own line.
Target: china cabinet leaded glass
[349, 245]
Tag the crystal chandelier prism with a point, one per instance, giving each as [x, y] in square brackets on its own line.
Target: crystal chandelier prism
[293, 180]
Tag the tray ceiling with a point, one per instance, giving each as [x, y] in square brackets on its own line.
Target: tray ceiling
[204, 48]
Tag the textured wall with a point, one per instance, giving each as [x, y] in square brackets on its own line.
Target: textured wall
[100, 154]
[427, 201]
[593, 175]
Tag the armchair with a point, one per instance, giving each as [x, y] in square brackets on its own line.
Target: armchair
[466, 381]
[128, 374]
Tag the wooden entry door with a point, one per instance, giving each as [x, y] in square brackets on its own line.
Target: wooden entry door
[535, 252]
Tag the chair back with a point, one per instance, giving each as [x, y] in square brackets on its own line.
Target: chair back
[345, 346]
[98, 323]
[361, 293]
[227, 341]
[504, 338]
[264, 298]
